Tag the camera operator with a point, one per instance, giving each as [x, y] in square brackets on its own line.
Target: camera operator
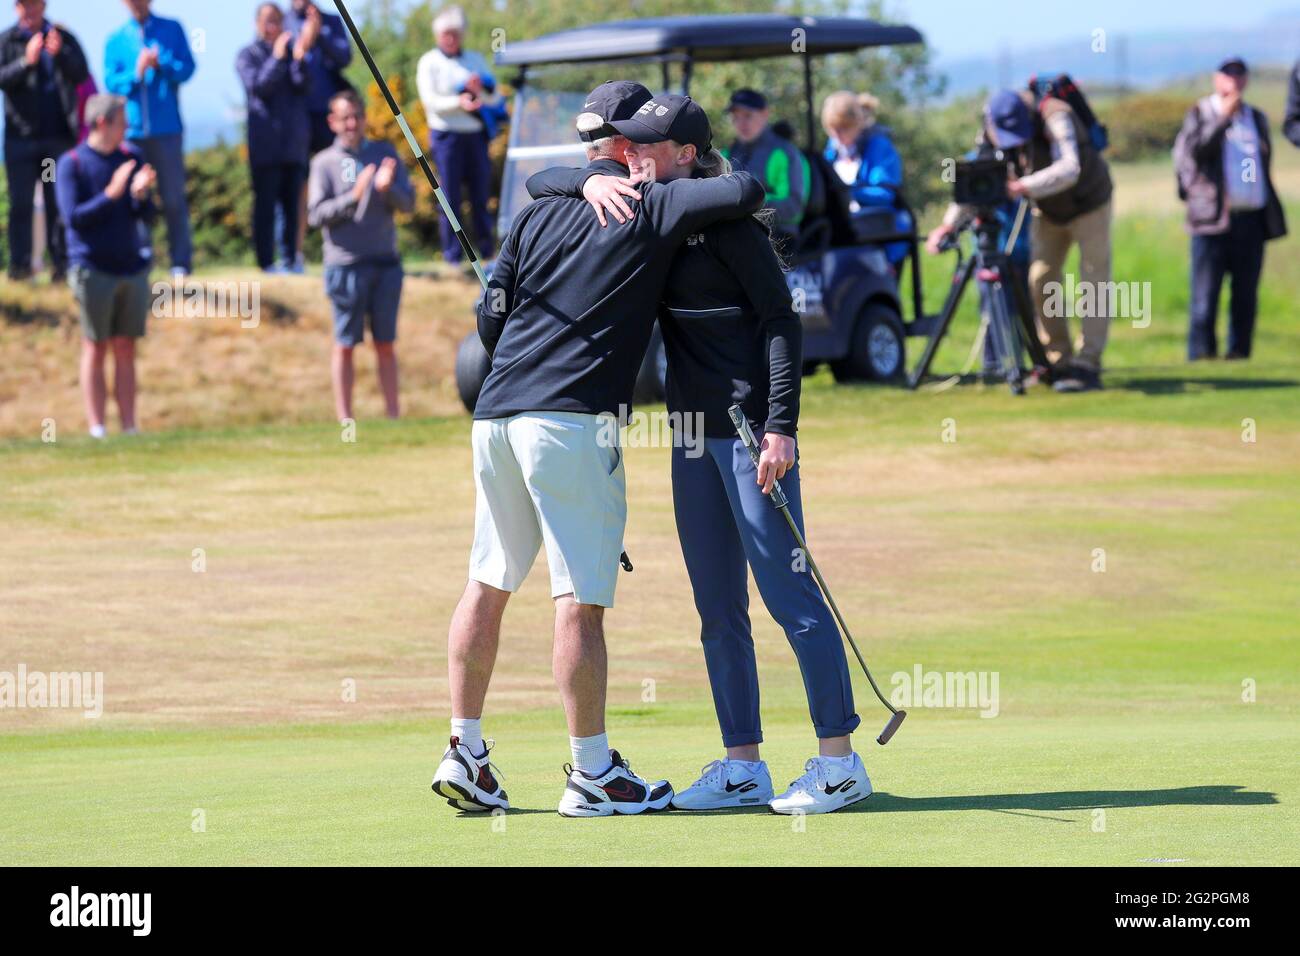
[1056, 167]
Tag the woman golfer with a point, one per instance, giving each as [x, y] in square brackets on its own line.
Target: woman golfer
[731, 336]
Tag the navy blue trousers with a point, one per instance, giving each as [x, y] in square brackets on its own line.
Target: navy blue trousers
[724, 521]
[462, 161]
[1239, 252]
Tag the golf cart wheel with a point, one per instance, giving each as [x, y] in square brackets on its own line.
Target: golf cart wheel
[877, 352]
[652, 377]
[472, 367]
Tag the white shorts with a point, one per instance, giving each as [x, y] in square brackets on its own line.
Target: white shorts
[553, 478]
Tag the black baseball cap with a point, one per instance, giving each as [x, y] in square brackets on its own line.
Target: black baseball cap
[747, 99]
[665, 117]
[615, 100]
[1233, 66]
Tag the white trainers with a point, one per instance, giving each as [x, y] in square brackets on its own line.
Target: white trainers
[724, 784]
[617, 790]
[824, 787]
[467, 781]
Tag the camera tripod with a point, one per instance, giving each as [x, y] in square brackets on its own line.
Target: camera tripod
[993, 269]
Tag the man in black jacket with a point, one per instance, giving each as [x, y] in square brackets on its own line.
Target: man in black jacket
[1223, 157]
[41, 66]
[566, 318]
[1291, 124]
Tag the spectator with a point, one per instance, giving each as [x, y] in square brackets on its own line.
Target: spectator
[105, 190]
[1291, 124]
[1069, 184]
[1223, 157]
[864, 156]
[327, 58]
[41, 66]
[84, 92]
[455, 85]
[147, 60]
[775, 162]
[355, 187]
[273, 70]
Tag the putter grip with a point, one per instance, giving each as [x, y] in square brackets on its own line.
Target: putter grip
[744, 431]
[750, 442]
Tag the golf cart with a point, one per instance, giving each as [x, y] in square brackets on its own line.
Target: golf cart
[845, 290]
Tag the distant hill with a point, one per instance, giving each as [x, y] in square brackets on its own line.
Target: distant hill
[1141, 60]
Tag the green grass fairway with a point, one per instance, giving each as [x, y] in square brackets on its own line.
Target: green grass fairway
[1122, 736]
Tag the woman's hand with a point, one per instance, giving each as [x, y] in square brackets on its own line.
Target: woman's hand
[607, 192]
[775, 459]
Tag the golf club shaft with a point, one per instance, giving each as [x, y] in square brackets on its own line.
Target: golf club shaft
[783, 505]
[414, 144]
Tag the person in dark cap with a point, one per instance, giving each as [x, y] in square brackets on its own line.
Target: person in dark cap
[566, 319]
[1068, 182]
[732, 337]
[1223, 157]
[777, 162]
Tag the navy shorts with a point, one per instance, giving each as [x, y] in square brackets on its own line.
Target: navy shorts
[364, 294]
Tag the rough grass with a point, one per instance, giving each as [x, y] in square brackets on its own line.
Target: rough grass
[203, 372]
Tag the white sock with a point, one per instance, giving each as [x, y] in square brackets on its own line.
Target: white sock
[846, 761]
[470, 732]
[590, 754]
[753, 766]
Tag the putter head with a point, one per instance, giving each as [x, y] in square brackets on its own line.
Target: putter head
[891, 728]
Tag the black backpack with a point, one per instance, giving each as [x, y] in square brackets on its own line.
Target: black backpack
[1063, 88]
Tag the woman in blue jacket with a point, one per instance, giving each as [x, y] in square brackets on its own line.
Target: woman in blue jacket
[864, 156]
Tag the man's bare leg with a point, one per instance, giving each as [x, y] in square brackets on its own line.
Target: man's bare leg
[94, 389]
[343, 376]
[386, 358]
[580, 665]
[472, 646]
[124, 379]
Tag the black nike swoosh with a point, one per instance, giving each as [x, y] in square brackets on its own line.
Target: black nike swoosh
[736, 786]
[842, 785]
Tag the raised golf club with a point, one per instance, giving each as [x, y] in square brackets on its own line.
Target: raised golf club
[447, 211]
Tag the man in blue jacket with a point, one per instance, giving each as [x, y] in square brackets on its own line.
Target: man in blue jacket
[273, 70]
[105, 192]
[328, 55]
[146, 61]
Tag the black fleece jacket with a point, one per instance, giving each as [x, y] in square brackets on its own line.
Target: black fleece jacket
[569, 308]
[729, 327]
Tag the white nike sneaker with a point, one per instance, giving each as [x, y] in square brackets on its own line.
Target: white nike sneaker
[724, 784]
[617, 790]
[824, 787]
[467, 781]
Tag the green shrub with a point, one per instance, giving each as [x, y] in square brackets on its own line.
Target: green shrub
[1144, 125]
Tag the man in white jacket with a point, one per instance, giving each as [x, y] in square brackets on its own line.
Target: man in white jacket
[455, 87]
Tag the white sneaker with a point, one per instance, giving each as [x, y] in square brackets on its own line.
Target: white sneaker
[825, 787]
[727, 783]
[467, 781]
[98, 431]
[617, 790]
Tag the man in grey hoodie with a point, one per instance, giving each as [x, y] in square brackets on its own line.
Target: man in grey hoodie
[354, 189]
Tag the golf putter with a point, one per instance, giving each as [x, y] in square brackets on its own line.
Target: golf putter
[783, 505]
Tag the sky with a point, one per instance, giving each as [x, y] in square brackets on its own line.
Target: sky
[954, 29]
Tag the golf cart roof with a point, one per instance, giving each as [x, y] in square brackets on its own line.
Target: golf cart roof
[705, 38]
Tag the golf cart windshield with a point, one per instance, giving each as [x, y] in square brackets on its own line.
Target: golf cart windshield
[541, 135]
